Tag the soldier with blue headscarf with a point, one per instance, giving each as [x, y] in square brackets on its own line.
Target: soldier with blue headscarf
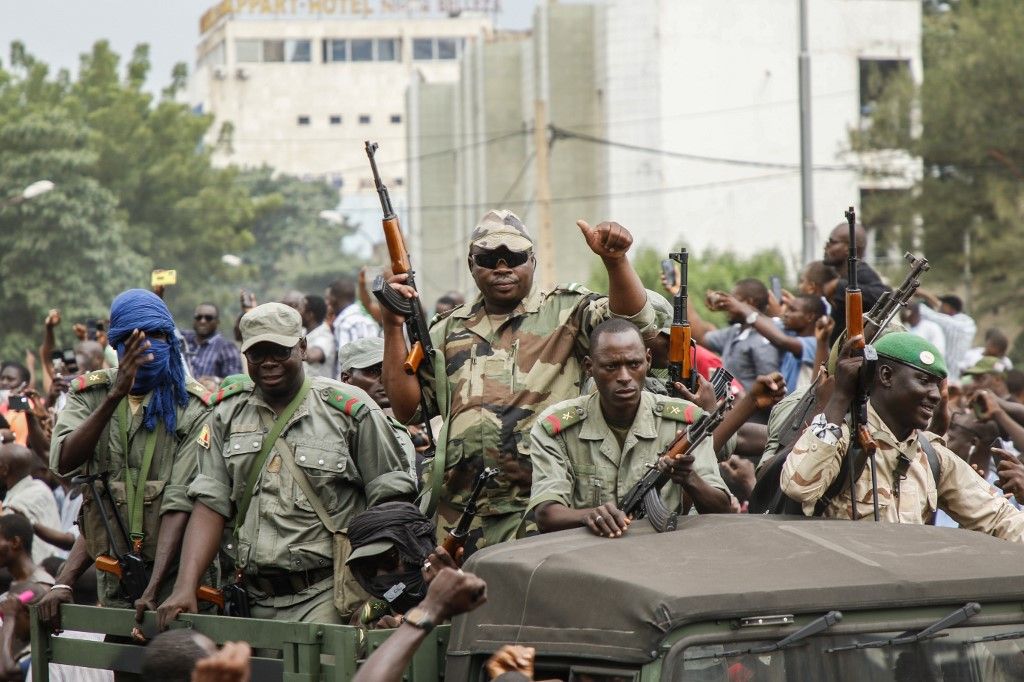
[131, 423]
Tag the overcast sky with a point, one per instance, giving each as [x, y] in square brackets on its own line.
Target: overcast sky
[58, 31]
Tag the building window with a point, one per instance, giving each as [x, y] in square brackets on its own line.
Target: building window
[361, 50]
[364, 119]
[273, 51]
[388, 49]
[298, 50]
[335, 51]
[422, 48]
[303, 120]
[335, 120]
[247, 50]
[447, 48]
[876, 76]
[396, 118]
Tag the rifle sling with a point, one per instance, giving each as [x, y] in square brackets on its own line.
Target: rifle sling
[256, 467]
[428, 505]
[135, 491]
[288, 456]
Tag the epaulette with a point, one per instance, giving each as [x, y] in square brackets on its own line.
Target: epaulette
[86, 381]
[395, 424]
[437, 317]
[227, 391]
[196, 389]
[571, 288]
[342, 401]
[679, 410]
[559, 420]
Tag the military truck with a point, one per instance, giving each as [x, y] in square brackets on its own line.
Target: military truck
[725, 597]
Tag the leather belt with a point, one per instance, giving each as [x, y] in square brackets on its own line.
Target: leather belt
[287, 584]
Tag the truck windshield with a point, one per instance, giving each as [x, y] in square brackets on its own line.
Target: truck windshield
[963, 654]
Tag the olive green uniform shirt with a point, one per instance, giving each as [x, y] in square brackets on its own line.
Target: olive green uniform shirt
[577, 460]
[502, 371]
[341, 441]
[172, 469]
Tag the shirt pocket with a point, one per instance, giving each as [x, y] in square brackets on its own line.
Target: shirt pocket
[328, 468]
[590, 488]
[240, 450]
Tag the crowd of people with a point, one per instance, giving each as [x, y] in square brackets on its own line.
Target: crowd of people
[305, 467]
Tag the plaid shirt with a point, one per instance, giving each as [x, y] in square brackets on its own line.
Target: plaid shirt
[215, 357]
[352, 324]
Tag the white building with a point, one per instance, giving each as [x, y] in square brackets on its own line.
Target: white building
[299, 85]
[693, 113]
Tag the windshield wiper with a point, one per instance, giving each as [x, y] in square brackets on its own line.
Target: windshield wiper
[816, 626]
[1018, 634]
[967, 611]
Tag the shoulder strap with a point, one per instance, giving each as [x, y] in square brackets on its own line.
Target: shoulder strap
[261, 458]
[429, 505]
[934, 463]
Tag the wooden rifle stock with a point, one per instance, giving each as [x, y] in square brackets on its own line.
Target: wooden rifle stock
[211, 595]
[680, 339]
[396, 245]
[108, 564]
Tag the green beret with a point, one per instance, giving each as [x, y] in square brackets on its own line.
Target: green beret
[986, 365]
[911, 349]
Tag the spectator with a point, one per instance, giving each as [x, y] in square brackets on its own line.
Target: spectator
[996, 345]
[209, 353]
[837, 254]
[926, 329]
[958, 327]
[15, 637]
[294, 299]
[27, 496]
[817, 279]
[320, 349]
[16, 543]
[14, 378]
[1015, 385]
[351, 321]
[172, 655]
[745, 352]
[448, 301]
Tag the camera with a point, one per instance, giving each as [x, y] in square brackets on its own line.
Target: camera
[668, 269]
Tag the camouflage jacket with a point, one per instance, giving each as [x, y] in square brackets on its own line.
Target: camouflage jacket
[502, 371]
[960, 491]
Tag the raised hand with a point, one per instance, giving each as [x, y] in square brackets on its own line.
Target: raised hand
[768, 389]
[704, 398]
[608, 240]
[135, 355]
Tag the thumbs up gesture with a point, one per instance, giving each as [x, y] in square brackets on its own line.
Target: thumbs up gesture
[608, 240]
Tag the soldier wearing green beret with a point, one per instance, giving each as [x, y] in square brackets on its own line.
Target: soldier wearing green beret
[285, 461]
[917, 474]
[502, 359]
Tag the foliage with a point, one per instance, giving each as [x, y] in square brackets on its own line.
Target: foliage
[972, 145]
[712, 270]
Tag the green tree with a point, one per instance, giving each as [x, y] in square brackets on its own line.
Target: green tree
[293, 247]
[712, 270]
[971, 141]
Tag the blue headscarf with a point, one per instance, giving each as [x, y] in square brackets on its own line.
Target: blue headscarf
[164, 375]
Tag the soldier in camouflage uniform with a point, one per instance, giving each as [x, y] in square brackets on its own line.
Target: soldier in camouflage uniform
[904, 396]
[147, 400]
[336, 437]
[504, 358]
[589, 451]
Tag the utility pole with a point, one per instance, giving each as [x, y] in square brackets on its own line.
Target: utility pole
[542, 180]
[968, 276]
[808, 234]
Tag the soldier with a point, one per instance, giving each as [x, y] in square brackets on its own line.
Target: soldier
[360, 364]
[904, 396]
[504, 358]
[332, 436]
[131, 423]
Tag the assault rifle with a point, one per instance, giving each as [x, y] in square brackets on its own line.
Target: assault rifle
[643, 499]
[861, 443]
[409, 308]
[680, 343]
[891, 302]
[457, 536]
[128, 567]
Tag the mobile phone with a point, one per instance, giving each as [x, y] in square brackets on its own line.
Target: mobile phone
[776, 286]
[17, 403]
[163, 278]
[668, 269]
[90, 328]
[978, 407]
[70, 362]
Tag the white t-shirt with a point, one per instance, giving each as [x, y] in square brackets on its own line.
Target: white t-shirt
[60, 672]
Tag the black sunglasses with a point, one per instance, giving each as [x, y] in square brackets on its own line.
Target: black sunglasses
[490, 259]
[208, 318]
[268, 352]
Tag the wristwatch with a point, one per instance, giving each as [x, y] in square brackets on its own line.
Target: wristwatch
[419, 618]
[826, 432]
[752, 317]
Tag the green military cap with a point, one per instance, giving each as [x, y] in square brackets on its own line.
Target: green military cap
[361, 353]
[986, 365]
[911, 349]
[271, 322]
[369, 549]
[501, 228]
